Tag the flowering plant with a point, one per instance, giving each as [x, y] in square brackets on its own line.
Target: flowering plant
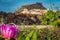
[8, 31]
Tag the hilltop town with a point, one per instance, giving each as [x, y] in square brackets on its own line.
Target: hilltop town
[27, 15]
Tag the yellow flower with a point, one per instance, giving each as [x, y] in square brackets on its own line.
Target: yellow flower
[58, 21]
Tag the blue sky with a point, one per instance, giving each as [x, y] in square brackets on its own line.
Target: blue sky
[13, 5]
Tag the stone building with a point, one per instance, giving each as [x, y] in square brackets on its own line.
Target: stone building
[30, 13]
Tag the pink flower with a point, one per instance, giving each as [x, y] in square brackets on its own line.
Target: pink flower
[8, 31]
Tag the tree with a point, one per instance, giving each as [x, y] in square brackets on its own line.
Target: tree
[50, 17]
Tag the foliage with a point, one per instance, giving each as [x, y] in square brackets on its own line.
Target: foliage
[50, 18]
[40, 34]
[58, 13]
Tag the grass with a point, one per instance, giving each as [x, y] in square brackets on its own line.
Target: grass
[33, 33]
